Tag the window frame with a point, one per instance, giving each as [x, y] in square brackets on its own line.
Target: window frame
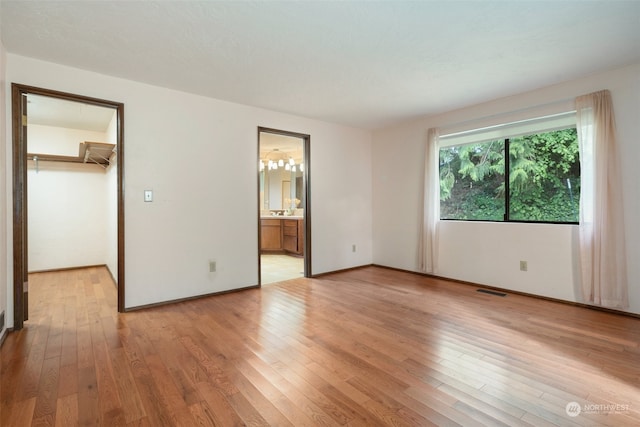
[539, 125]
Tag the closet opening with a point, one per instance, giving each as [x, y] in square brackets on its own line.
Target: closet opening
[68, 207]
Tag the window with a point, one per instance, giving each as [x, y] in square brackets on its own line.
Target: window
[524, 176]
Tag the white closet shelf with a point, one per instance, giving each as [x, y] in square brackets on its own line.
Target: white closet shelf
[88, 152]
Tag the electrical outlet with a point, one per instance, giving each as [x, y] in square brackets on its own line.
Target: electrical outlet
[212, 266]
[523, 265]
[353, 248]
[148, 195]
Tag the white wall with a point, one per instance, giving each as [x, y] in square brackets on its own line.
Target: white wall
[67, 215]
[185, 147]
[488, 253]
[5, 277]
[59, 140]
[69, 220]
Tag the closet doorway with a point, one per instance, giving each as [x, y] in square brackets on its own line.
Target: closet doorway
[284, 223]
[68, 208]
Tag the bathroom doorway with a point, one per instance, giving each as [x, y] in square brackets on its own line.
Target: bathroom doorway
[284, 238]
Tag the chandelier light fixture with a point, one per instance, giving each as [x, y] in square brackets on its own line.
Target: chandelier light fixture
[277, 159]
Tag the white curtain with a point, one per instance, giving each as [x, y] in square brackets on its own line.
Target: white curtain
[602, 246]
[428, 249]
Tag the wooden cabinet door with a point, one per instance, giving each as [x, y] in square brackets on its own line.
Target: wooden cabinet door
[300, 237]
[270, 235]
[290, 235]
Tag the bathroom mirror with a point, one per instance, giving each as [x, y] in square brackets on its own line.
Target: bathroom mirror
[281, 167]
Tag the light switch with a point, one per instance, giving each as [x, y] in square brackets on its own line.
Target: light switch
[148, 195]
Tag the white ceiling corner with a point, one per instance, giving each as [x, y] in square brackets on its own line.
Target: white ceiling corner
[363, 64]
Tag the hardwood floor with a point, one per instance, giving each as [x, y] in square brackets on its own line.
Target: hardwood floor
[363, 347]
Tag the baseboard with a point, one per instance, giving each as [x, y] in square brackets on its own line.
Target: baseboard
[315, 276]
[175, 301]
[510, 291]
[113, 278]
[3, 335]
[54, 270]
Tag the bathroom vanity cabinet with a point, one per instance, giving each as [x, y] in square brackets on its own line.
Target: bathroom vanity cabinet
[285, 234]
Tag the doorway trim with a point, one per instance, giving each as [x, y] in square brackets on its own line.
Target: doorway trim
[19, 173]
[306, 141]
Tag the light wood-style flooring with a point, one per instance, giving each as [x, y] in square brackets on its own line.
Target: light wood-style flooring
[364, 347]
[278, 268]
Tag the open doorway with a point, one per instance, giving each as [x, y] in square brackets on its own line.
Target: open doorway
[67, 195]
[284, 220]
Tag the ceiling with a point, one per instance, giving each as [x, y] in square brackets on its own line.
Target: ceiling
[364, 64]
[48, 111]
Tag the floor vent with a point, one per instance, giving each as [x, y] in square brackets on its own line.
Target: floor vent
[490, 292]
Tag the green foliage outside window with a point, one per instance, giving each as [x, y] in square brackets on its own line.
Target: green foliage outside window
[543, 176]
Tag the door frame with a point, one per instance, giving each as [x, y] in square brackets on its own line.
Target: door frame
[20, 208]
[306, 144]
